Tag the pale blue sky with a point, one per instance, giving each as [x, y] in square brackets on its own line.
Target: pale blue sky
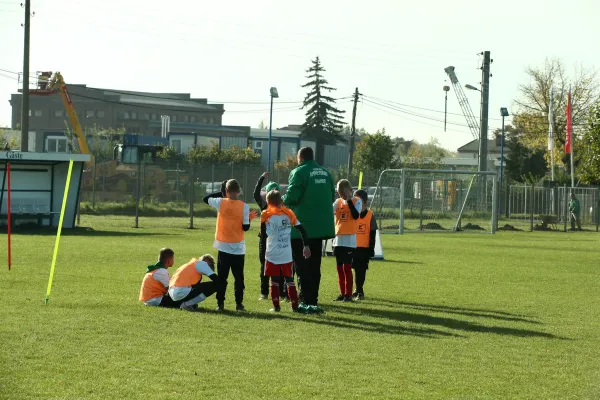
[235, 50]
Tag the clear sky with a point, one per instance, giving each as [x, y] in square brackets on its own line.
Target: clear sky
[236, 50]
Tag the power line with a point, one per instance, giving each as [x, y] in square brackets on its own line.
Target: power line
[413, 120]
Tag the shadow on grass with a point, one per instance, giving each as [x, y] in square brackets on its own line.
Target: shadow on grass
[470, 312]
[389, 261]
[449, 323]
[337, 322]
[83, 232]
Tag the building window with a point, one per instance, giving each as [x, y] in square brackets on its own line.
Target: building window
[133, 115]
[174, 118]
[154, 117]
[205, 120]
[193, 118]
[211, 121]
[125, 115]
[58, 113]
[56, 144]
[37, 113]
[186, 118]
[258, 145]
[100, 114]
[176, 144]
[89, 114]
[146, 116]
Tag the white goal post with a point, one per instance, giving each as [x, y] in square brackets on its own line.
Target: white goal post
[428, 200]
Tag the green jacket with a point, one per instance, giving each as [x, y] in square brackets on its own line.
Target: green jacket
[310, 195]
[574, 207]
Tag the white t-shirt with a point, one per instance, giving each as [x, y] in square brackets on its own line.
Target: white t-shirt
[230, 248]
[279, 245]
[346, 240]
[161, 275]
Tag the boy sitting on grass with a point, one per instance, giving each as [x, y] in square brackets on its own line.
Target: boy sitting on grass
[186, 286]
[156, 281]
[276, 223]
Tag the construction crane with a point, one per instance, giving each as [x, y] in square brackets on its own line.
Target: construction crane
[464, 103]
[49, 84]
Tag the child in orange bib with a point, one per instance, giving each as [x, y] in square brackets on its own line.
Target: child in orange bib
[365, 245]
[346, 227]
[156, 281]
[276, 223]
[186, 285]
[233, 219]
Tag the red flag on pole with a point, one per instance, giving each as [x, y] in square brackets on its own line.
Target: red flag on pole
[569, 141]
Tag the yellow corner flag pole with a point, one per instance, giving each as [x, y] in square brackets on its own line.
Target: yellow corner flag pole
[60, 224]
[360, 180]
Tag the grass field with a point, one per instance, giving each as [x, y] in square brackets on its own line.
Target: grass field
[514, 315]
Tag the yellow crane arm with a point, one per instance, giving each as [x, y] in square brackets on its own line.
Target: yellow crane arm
[58, 83]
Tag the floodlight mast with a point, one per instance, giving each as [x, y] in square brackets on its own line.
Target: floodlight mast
[463, 102]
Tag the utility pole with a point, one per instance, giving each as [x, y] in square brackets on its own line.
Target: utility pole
[25, 102]
[352, 133]
[485, 102]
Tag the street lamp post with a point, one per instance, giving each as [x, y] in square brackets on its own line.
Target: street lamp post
[503, 113]
[274, 95]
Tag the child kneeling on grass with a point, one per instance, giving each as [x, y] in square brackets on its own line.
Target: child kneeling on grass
[365, 245]
[156, 281]
[186, 286]
[276, 223]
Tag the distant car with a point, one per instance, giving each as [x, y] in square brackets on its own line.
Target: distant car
[386, 196]
[213, 187]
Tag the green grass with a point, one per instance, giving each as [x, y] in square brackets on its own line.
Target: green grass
[515, 315]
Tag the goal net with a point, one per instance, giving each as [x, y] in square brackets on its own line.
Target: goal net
[413, 200]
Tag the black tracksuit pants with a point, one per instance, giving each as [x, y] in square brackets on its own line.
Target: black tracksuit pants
[235, 263]
[308, 270]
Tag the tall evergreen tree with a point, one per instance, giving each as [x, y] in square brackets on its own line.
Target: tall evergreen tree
[323, 122]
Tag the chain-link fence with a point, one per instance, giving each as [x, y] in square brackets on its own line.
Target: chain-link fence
[172, 189]
[547, 208]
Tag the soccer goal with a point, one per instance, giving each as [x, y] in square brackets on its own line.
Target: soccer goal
[421, 200]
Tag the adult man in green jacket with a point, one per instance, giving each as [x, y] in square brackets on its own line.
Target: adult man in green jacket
[310, 195]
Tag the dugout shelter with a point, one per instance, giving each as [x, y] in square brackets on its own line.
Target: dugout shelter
[37, 184]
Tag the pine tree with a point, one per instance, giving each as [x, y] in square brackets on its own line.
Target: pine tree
[323, 122]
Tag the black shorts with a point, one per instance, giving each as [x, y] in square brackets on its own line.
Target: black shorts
[343, 255]
[361, 258]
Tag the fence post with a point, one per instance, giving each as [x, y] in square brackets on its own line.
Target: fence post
[177, 180]
[143, 185]
[212, 177]
[494, 205]
[566, 203]
[421, 201]
[192, 195]
[401, 204]
[532, 201]
[597, 202]
[137, 194]
[94, 185]
[104, 182]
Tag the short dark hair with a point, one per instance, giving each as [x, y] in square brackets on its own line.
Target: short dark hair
[164, 254]
[232, 186]
[362, 194]
[307, 153]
